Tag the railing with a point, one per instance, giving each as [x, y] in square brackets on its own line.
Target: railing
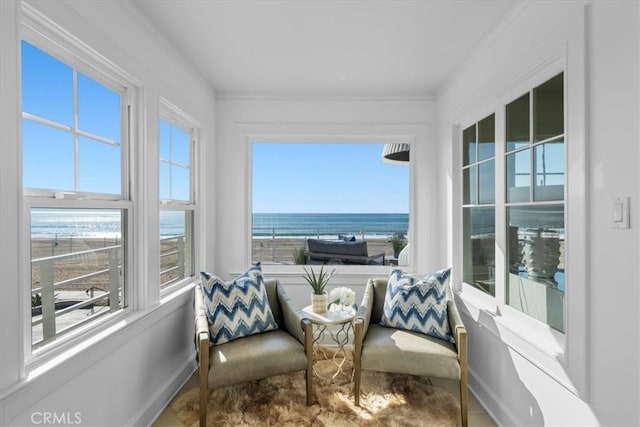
[274, 234]
[48, 286]
[178, 251]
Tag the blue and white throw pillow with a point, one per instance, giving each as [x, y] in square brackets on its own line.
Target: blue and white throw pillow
[418, 305]
[238, 308]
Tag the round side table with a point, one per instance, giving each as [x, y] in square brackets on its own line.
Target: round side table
[336, 325]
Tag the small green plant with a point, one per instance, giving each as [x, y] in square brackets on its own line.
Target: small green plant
[318, 282]
[300, 256]
[36, 300]
[398, 242]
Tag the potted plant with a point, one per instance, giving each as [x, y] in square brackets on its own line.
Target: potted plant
[398, 242]
[318, 282]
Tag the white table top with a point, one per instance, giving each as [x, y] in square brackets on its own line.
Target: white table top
[330, 317]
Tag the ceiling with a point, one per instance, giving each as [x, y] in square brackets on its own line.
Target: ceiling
[326, 48]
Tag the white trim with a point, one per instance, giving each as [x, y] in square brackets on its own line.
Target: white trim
[483, 389]
[222, 96]
[564, 357]
[44, 34]
[63, 45]
[178, 118]
[341, 136]
[160, 400]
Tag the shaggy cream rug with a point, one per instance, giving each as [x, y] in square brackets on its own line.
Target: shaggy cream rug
[386, 400]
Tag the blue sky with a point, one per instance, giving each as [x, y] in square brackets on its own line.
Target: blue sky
[327, 178]
[49, 152]
[287, 177]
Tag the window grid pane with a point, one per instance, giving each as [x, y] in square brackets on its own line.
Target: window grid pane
[175, 162]
[176, 245]
[176, 223]
[479, 221]
[52, 92]
[535, 231]
[77, 259]
[469, 145]
[535, 256]
[517, 123]
[479, 248]
[549, 167]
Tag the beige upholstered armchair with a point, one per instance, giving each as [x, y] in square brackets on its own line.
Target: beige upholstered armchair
[257, 356]
[385, 349]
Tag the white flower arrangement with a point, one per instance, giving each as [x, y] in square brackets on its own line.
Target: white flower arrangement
[344, 296]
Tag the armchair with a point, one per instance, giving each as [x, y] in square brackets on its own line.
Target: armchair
[385, 349]
[286, 349]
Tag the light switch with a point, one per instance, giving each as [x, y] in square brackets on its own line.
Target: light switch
[620, 214]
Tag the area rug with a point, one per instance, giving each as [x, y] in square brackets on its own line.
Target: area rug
[386, 400]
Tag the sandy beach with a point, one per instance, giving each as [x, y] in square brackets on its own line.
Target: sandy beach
[76, 257]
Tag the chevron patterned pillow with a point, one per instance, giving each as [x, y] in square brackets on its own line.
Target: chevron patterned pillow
[418, 305]
[238, 308]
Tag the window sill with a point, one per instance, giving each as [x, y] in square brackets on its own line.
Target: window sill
[346, 275]
[176, 289]
[535, 342]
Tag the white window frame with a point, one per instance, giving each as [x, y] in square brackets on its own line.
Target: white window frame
[476, 163]
[170, 113]
[563, 356]
[43, 33]
[350, 274]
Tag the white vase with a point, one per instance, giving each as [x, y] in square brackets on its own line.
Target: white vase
[541, 256]
[319, 303]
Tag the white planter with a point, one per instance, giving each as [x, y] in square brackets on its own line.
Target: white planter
[319, 303]
[541, 256]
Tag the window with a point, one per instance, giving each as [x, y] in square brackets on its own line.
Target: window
[176, 140]
[74, 135]
[478, 210]
[336, 203]
[533, 220]
[535, 202]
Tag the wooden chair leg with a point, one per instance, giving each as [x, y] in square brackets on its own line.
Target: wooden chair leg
[203, 369]
[308, 348]
[464, 386]
[357, 353]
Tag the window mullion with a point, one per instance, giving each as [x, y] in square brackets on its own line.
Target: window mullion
[170, 162]
[76, 140]
[532, 163]
[500, 209]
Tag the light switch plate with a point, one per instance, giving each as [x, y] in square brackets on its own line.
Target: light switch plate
[620, 212]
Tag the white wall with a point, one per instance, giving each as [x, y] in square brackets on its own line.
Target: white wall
[238, 120]
[127, 375]
[513, 388]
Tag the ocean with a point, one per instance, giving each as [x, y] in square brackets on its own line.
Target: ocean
[107, 223]
[329, 224]
[94, 223]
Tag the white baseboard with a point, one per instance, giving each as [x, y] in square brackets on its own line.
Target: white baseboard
[150, 412]
[491, 402]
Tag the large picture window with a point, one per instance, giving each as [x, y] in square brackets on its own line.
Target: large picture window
[330, 203]
[74, 132]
